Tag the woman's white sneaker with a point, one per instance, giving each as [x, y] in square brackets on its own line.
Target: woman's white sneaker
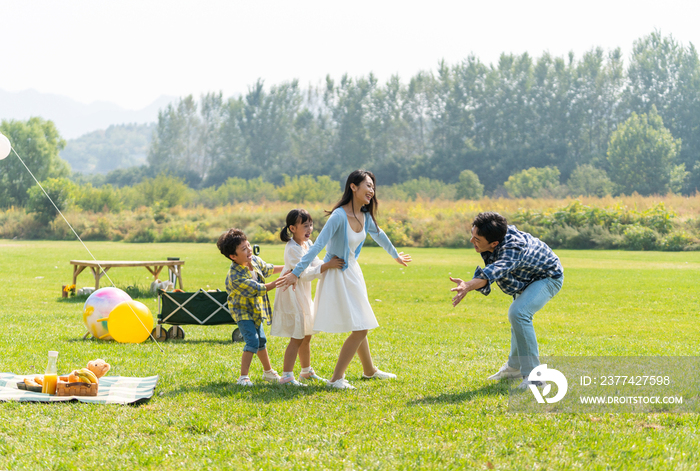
[379, 374]
[342, 383]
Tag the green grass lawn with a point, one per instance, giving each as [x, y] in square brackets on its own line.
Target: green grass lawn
[441, 413]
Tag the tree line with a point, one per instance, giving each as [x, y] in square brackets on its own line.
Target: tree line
[520, 114]
[522, 127]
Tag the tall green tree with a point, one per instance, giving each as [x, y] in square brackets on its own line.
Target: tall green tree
[38, 143]
[666, 75]
[642, 155]
[266, 126]
[348, 102]
[176, 147]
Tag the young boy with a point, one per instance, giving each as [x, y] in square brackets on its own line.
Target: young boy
[248, 301]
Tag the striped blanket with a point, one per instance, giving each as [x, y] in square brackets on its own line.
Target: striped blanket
[112, 390]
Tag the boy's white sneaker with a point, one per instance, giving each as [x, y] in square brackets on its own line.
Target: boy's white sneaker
[506, 372]
[271, 376]
[379, 374]
[342, 383]
[244, 381]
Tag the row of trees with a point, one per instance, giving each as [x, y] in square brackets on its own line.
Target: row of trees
[494, 120]
[522, 128]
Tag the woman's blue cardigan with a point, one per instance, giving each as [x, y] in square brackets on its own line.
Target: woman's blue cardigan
[334, 236]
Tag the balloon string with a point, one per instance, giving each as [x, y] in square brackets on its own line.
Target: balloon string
[86, 248]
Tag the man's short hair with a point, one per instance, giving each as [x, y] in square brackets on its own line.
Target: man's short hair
[491, 226]
[229, 241]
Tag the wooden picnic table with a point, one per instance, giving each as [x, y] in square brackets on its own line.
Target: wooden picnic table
[155, 267]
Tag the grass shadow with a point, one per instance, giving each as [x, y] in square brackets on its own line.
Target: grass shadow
[77, 299]
[166, 342]
[496, 389]
[201, 341]
[265, 393]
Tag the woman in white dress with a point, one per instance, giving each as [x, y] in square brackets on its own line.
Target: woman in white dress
[341, 303]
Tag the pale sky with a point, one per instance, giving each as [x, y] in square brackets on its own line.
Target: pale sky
[131, 52]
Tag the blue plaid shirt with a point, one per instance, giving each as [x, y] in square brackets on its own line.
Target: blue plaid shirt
[520, 260]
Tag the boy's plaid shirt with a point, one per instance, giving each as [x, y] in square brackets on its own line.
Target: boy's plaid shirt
[247, 298]
[520, 260]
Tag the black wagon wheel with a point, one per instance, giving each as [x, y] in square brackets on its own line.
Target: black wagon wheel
[163, 334]
[176, 333]
[237, 336]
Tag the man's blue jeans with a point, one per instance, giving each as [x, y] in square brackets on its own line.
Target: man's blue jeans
[524, 353]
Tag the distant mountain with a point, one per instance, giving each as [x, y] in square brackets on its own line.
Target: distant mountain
[74, 119]
[118, 146]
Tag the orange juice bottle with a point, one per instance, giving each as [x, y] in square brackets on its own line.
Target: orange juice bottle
[51, 375]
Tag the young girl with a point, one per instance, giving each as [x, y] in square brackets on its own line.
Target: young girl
[341, 300]
[293, 313]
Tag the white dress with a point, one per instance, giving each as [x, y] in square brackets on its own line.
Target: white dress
[341, 302]
[293, 311]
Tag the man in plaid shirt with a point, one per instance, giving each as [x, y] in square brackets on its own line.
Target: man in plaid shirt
[248, 301]
[524, 267]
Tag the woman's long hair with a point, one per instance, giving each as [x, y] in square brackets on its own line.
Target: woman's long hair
[356, 178]
[293, 217]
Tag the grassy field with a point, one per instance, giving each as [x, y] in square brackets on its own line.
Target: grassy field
[441, 413]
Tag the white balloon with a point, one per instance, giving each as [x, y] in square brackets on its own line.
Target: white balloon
[5, 146]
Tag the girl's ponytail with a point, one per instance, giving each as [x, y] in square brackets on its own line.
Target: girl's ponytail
[284, 234]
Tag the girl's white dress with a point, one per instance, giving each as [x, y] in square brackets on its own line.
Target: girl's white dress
[341, 300]
[293, 311]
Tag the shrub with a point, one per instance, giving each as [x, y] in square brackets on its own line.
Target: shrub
[104, 199]
[165, 190]
[141, 234]
[101, 230]
[469, 187]
[398, 232]
[178, 233]
[676, 242]
[586, 180]
[307, 188]
[424, 188]
[533, 182]
[238, 190]
[58, 189]
[639, 238]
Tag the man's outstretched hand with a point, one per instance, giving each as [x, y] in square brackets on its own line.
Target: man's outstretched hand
[461, 290]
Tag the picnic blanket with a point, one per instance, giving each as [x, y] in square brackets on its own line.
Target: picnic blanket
[112, 390]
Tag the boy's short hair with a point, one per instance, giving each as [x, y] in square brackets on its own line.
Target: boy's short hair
[229, 241]
[491, 226]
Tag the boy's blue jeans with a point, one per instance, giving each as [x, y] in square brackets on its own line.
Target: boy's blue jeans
[254, 337]
[524, 353]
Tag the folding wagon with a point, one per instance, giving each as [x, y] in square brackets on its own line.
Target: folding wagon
[198, 308]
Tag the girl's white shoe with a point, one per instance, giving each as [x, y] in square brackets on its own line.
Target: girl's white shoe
[244, 381]
[312, 377]
[342, 383]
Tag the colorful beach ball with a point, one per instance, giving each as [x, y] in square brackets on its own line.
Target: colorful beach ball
[97, 309]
